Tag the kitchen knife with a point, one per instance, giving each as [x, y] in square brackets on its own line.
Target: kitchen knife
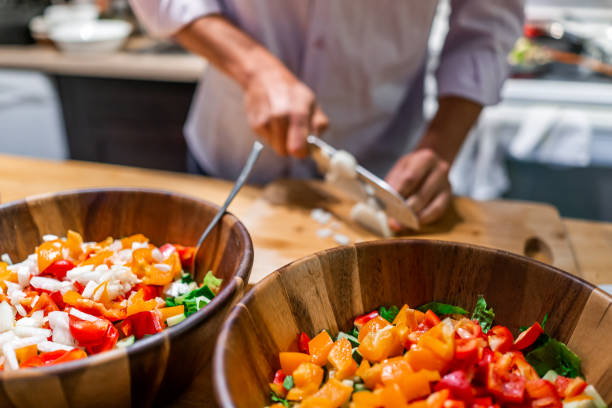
[371, 186]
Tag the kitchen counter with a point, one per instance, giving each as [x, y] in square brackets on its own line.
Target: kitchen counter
[590, 243]
[134, 62]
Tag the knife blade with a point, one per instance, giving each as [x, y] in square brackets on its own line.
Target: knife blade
[372, 186]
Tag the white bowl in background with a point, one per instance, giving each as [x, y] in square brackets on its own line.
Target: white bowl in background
[91, 37]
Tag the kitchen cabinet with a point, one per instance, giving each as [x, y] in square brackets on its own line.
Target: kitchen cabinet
[126, 121]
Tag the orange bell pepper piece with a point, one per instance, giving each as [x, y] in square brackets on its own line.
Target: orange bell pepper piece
[25, 353]
[437, 399]
[366, 399]
[371, 376]
[319, 347]
[363, 368]
[47, 253]
[137, 304]
[289, 360]
[98, 259]
[167, 312]
[73, 243]
[406, 316]
[340, 356]
[6, 275]
[394, 369]
[334, 393]
[391, 397]
[422, 358]
[372, 326]
[298, 394]
[377, 346]
[316, 402]
[126, 243]
[416, 385]
[307, 374]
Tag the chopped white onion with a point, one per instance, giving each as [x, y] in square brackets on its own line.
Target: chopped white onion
[60, 324]
[44, 283]
[162, 267]
[46, 346]
[49, 237]
[11, 357]
[7, 317]
[342, 239]
[20, 309]
[157, 255]
[89, 289]
[81, 315]
[25, 331]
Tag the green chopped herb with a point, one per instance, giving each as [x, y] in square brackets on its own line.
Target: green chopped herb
[186, 277]
[442, 308]
[276, 398]
[212, 282]
[482, 314]
[359, 387]
[554, 355]
[355, 332]
[193, 301]
[352, 339]
[544, 320]
[388, 314]
[288, 383]
[357, 356]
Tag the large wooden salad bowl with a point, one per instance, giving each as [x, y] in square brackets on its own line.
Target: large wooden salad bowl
[328, 289]
[155, 369]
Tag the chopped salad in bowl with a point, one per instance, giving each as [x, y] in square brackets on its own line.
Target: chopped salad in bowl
[71, 299]
[434, 356]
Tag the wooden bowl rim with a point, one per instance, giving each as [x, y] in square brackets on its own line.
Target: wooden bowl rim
[240, 278]
[222, 393]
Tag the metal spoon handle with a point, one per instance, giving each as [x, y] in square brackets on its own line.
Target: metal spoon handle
[242, 178]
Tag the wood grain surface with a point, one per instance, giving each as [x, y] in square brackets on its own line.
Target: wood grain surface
[156, 369]
[328, 289]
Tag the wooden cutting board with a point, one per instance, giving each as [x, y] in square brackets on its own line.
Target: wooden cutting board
[283, 230]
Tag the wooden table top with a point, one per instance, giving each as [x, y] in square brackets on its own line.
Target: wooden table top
[591, 242]
[130, 63]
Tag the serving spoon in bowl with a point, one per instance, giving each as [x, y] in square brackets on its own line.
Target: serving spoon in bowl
[242, 178]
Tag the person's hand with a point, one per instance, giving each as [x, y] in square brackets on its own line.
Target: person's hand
[422, 177]
[283, 111]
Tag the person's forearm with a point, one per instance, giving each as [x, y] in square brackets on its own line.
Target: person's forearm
[226, 47]
[450, 126]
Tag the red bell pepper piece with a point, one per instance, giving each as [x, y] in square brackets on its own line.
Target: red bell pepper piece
[79, 287]
[45, 303]
[58, 299]
[569, 387]
[451, 403]
[96, 336]
[108, 341]
[543, 393]
[431, 319]
[58, 268]
[363, 319]
[457, 383]
[467, 329]
[467, 350]
[528, 337]
[144, 323]
[54, 357]
[500, 339]
[150, 291]
[186, 254]
[303, 340]
[279, 377]
[506, 386]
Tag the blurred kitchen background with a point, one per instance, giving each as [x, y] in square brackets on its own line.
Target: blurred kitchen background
[84, 82]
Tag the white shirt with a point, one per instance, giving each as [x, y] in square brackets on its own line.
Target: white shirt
[364, 60]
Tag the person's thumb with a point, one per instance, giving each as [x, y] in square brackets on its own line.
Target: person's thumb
[319, 122]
